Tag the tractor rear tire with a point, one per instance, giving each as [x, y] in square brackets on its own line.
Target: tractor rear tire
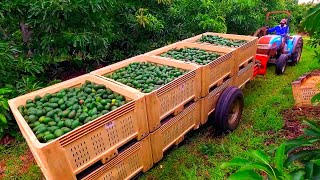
[281, 64]
[296, 55]
[228, 110]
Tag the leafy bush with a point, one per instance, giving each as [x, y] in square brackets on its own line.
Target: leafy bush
[260, 161]
[280, 165]
[5, 116]
[311, 25]
[39, 33]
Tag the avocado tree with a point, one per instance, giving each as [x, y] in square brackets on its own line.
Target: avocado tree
[311, 25]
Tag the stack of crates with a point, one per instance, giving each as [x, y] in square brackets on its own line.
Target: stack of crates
[173, 109]
[131, 138]
[216, 76]
[245, 55]
[234, 68]
[116, 144]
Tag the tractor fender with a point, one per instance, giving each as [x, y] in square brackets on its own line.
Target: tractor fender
[295, 42]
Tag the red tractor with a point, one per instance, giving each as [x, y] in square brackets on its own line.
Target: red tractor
[277, 49]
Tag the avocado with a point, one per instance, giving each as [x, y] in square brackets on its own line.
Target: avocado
[68, 123]
[65, 113]
[32, 118]
[72, 114]
[83, 116]
[52, 123]
[60, 124]
[49, 137]
[47, 120]
[41, 129]
[65, 129]
[75, 124]
[58, 132]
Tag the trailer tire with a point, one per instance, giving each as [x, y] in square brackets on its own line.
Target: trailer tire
[281, 64]
[229, 110]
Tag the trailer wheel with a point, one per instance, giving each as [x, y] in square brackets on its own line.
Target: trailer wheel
[281, 64]
[229, 109]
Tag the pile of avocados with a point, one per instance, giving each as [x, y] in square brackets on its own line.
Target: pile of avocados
[221, 41]
[146, 76]
[54, 115]
[193, 55]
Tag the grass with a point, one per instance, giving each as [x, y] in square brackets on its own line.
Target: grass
[17, 166]
[201, 154]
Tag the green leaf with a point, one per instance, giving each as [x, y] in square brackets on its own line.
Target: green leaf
[316, 171]
[235, 162]
[309, 170]
[300, 155]
[312, 125]
[257, 166]
[245, 175]
[279, 157]
[311, 132]
[3, 119]
[315, 98]
[312, 21]
[5, 91]
[316, 161]
[298, 174]
[286, 176]
[296, 143]
[5, 104]
[260, 156]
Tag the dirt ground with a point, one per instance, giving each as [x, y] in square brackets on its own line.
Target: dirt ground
[293, 120]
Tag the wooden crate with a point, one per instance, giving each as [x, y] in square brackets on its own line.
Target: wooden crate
[98, 140]
[244, 52]
[169, 99]
[245, 73]
[131, 161]
[208, 103]
[214, 73]
[173, 130]
[305, 88]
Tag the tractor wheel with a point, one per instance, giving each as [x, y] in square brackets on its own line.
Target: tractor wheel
[229, 109]
[281, 64]
[296, 55]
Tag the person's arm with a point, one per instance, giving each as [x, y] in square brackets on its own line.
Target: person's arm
[271, 30]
